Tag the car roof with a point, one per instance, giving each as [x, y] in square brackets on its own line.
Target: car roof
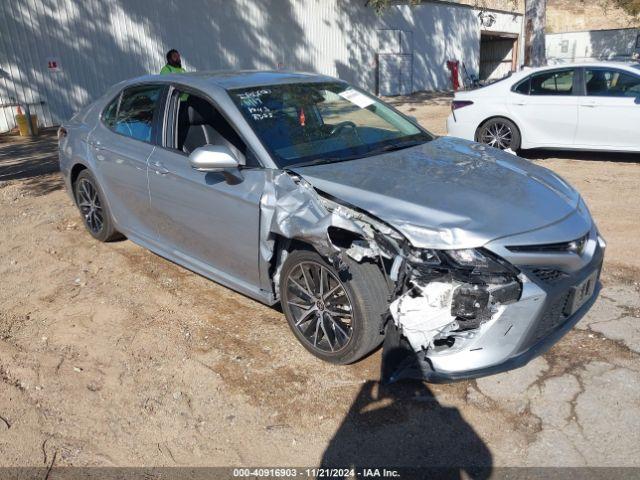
[237, 79]
[526, 71]
[624, 65]
[506, 83]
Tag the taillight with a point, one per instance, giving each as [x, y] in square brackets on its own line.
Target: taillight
[458, 104]
[62, 132]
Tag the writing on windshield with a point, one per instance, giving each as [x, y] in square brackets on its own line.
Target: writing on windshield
[303, 122]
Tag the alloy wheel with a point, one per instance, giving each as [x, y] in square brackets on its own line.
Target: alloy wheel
[89, 204]
[498, 135]
[320, 307]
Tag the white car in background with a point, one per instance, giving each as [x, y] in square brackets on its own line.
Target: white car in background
[587, 106]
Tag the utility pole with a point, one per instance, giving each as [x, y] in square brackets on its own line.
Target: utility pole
[535, 18]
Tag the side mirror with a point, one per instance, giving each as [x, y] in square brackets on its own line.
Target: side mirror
[213, 158]
[414, 119]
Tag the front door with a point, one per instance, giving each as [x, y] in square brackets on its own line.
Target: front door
[609, 113]
[209, 219]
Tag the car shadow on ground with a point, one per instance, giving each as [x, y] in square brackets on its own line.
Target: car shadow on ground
[402, 425]
[33, 161]
[580, 155]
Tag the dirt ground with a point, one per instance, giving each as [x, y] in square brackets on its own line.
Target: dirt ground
[113, 356]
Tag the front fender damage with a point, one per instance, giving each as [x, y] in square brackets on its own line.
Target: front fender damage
[292, 209]
[433, 307]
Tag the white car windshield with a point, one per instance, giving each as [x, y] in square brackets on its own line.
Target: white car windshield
[306, 123]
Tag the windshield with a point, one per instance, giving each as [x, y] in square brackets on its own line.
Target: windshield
[308, 123]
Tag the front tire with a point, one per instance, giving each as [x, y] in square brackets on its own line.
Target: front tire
[336, 315]
[94, 210]
[499, 133]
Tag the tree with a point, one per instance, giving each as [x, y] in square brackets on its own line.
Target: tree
[535, 20]
[381, 5]
[632, 7]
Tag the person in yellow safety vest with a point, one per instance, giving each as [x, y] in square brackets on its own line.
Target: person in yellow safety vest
[174, 64]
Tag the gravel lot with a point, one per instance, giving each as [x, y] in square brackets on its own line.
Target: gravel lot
[111, 355]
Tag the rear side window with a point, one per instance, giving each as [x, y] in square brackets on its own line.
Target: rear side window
[135, 115]
[612, 83]
[523, 87]
[552, 83]
[109, 113]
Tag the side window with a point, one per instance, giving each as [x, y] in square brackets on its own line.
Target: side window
[135, 115]
[109, 113]
[199, 123]
[553, 83]
[612, 83]
[523, 87]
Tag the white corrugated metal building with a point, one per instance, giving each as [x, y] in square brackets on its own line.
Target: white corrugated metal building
[67, 52]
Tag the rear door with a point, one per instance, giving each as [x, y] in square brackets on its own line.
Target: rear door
[210, 220]
[121, 144]
[546, 108]
[609, 110]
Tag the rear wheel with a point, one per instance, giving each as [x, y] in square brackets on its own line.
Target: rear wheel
[499, 133]
[95, 213]
[335, 315]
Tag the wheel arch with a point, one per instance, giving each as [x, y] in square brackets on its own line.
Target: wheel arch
[282, 246]
[367, 294]
[494, 117]
[75, 172]
[336, 236]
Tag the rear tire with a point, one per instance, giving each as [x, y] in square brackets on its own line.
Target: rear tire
[350, 304]
[94, 210]
[500, 133]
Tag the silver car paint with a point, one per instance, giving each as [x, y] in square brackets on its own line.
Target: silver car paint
[200, 215]
[504, 336]
[444, 194]
[122, 174]
[450, 193]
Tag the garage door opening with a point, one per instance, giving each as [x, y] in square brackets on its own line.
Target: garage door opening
[498, 55]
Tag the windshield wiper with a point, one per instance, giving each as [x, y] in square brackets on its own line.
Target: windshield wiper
[391, 147]
[323, 160]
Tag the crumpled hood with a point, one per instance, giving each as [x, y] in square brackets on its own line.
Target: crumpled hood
[449, 193]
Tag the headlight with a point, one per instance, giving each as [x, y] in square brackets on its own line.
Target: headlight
[476, 266]
[426, 256]
[468, 257]
[486, 279]
[482, 279]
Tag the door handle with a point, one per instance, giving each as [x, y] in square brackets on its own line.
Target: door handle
[589, 104]
[96, 145]
[159, 168]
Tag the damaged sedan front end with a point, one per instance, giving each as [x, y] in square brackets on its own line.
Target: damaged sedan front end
[466, 321]
[487, 259]
[453, 313]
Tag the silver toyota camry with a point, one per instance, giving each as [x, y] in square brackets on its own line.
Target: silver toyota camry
[303, 190]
